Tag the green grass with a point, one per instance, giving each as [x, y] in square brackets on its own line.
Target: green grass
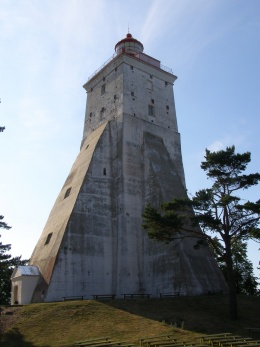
[63, 323]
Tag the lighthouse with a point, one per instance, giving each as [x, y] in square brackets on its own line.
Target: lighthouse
[93, 245]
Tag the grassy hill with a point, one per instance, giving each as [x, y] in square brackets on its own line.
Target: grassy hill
[63, 323]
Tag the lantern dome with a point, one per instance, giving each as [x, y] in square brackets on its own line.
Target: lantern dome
[129, 45]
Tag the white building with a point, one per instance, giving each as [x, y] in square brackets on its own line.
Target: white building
[93, 242]
[24, 280]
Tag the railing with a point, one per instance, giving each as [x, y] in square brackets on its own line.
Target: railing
[101, 67]
[165, 68]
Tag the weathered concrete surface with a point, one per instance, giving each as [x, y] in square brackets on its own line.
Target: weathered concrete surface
[44, 255]
[93, 242]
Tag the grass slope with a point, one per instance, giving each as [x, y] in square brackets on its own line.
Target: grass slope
[63, 323]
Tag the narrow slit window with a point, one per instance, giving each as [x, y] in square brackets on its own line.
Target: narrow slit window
[115, 97]
[152, 101]
[151, 110]
[131, 67]
[132, 93]
[103, 88]
[67, 193]
[151, 76]
[104, 171]
[48, 239]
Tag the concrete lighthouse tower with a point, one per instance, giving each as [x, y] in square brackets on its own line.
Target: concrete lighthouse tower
[93, 243]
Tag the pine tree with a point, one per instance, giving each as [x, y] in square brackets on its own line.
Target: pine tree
[246, 282]
[215, 216]
[7, 265]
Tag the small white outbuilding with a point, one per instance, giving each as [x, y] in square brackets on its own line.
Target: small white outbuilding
[24, 280]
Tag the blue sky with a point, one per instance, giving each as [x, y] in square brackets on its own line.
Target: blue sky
[48, 49]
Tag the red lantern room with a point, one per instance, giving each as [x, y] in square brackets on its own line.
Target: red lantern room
[129, 45]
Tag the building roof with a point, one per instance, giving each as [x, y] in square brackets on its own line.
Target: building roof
[25, 271]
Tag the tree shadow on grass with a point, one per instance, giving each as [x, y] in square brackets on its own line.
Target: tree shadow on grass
[201, 314]
[14, 338]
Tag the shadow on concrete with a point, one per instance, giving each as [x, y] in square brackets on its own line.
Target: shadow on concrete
[14, 338]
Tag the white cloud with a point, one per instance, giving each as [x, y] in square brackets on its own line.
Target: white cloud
[217, 145]
[193, 26]
[156, 18]
[11, 19]
[238, 139]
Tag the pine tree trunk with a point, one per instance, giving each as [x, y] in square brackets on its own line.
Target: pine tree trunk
[231, 284]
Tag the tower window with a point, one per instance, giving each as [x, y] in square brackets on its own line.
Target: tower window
[104, 171]
[132, 94]
[167, 107]
[166, 84]
[91, 89]
[90, 115]
[131, 67]
[103, 89]
[102, 110]
[67, 193]
[104, 78]
[115, 97]
[116, 69]
[151, 110]
[151, 76]
[152, 101]
[48, 239]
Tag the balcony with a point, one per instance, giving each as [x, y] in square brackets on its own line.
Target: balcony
[140, 56]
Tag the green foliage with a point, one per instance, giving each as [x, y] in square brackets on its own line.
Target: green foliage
[221, 219]
[3, 225]
[168, 225]
[4, 257]
[246, 282]
[228, 216]
[7, 265]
